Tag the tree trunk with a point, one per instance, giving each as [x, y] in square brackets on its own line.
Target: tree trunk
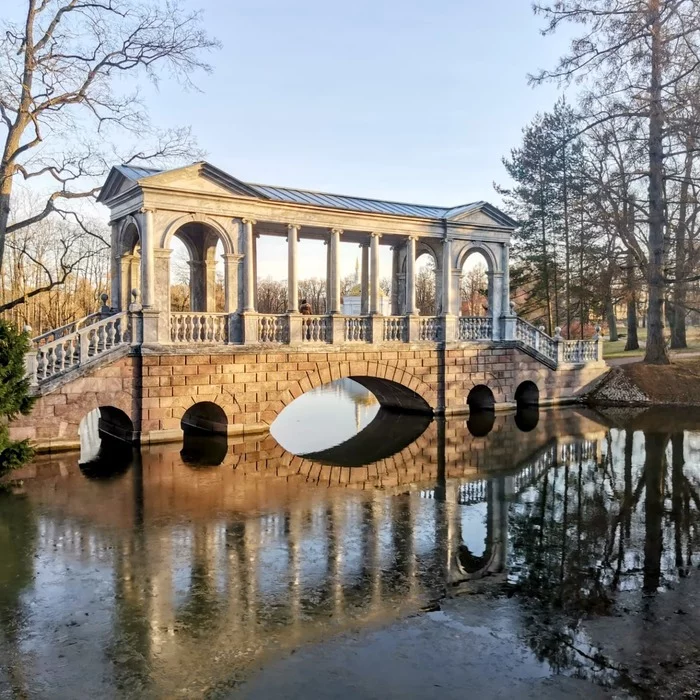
[678, 310]
[610, 317]
[632, 341]
[656, 347]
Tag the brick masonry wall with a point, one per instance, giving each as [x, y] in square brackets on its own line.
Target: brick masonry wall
[252, 386]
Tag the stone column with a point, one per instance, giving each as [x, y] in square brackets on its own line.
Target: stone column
[147, 259]
[335, 307]
[198, 285]
[231, 265]
[396, 301]
[115, 269]
[411, 308]
[249, 267]
[210, 286]
[495, 298]
[329, 281]
[508, 329]
[127, 283]
[364, 280]
[449, 321]
[162, 286]
[374, 274]
[293, 273]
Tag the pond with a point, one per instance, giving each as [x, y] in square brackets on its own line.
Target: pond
[182, 570]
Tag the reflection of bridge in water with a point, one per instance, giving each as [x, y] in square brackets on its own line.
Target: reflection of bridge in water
[251, 552]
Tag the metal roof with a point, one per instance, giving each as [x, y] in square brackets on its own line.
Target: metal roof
[308, 197]
[339, 201]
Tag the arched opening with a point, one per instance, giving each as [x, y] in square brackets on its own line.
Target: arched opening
[352, 421]
[106, 438]
[480, 398]
[196, 271]
[129, 264]
[474, 285]
[426, 283]
[205, 417]
[527, 394]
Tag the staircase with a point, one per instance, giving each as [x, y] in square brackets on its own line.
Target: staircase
[63, 351]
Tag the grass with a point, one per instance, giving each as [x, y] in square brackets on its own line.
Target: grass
[617, 349]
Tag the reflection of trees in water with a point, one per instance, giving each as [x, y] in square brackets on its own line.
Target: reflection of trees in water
[593, 527]
[17, 545]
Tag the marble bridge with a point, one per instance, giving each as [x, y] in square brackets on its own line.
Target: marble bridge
[143, 370]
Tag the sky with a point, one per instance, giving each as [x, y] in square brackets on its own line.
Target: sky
[413, 101]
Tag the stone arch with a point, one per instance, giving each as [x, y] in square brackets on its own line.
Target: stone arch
[206, 417]
[129, 236]
[224, 400]
[365, 372]
[485, 250]
[226, 236]
[481, 398]
[527, 394]
[105, 423]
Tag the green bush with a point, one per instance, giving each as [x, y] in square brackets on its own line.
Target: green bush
[14, 395]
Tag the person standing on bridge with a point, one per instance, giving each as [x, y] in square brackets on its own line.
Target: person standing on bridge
[305, 308]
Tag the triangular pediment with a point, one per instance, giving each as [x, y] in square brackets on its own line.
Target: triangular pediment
[202, 177]
[198, 177]
[481, 213]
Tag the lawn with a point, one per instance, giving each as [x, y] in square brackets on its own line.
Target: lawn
[617, 349]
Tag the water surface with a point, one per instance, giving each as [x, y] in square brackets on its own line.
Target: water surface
[179, 571]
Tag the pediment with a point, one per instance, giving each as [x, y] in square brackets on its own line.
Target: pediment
[481, 214]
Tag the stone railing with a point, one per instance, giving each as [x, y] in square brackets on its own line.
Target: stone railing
[580, 351]
[475, 328]
[68, 329]
[195, 327]
[536, 338]
[429, 328]
[315, 329]
[394, 329]
[273, 329]
[72, 350]
[358, 329]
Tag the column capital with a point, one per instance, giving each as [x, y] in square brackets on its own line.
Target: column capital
[291, 227]
[337, 230]
[147, 210]
[232, 257]
[412, 237]
[247, 220]
[364, 244]
[375, 234]
[162, 252]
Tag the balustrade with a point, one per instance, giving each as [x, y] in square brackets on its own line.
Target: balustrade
[475, 328]
[315, 329]
[394, 329]
[429, 328]
[536, 339]
[195, 327]
[75, 349]
[580, 351]
[273, 329]
[69, 328]
[357, 329]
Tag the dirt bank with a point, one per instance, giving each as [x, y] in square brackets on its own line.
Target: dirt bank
[641, 384]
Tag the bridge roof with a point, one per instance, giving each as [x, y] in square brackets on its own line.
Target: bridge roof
[137, 175]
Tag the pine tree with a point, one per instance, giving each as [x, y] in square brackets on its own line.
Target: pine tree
[14, 395]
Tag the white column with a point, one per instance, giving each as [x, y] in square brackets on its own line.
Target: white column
[411, 276]
[374, 274]
[446, 305]
[115, 267]
[249, 267]
[335, 270]
[292, 273]
[231, 262]
[147, 260]
[505, 265]
[364, 280]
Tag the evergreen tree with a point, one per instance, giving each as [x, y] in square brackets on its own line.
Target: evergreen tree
[14, 395]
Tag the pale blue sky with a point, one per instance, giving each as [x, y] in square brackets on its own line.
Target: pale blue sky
[414, 101]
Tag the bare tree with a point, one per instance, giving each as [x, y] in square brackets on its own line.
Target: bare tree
[63, 110]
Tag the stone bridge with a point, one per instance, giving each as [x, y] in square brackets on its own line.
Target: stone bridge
[143, 370]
